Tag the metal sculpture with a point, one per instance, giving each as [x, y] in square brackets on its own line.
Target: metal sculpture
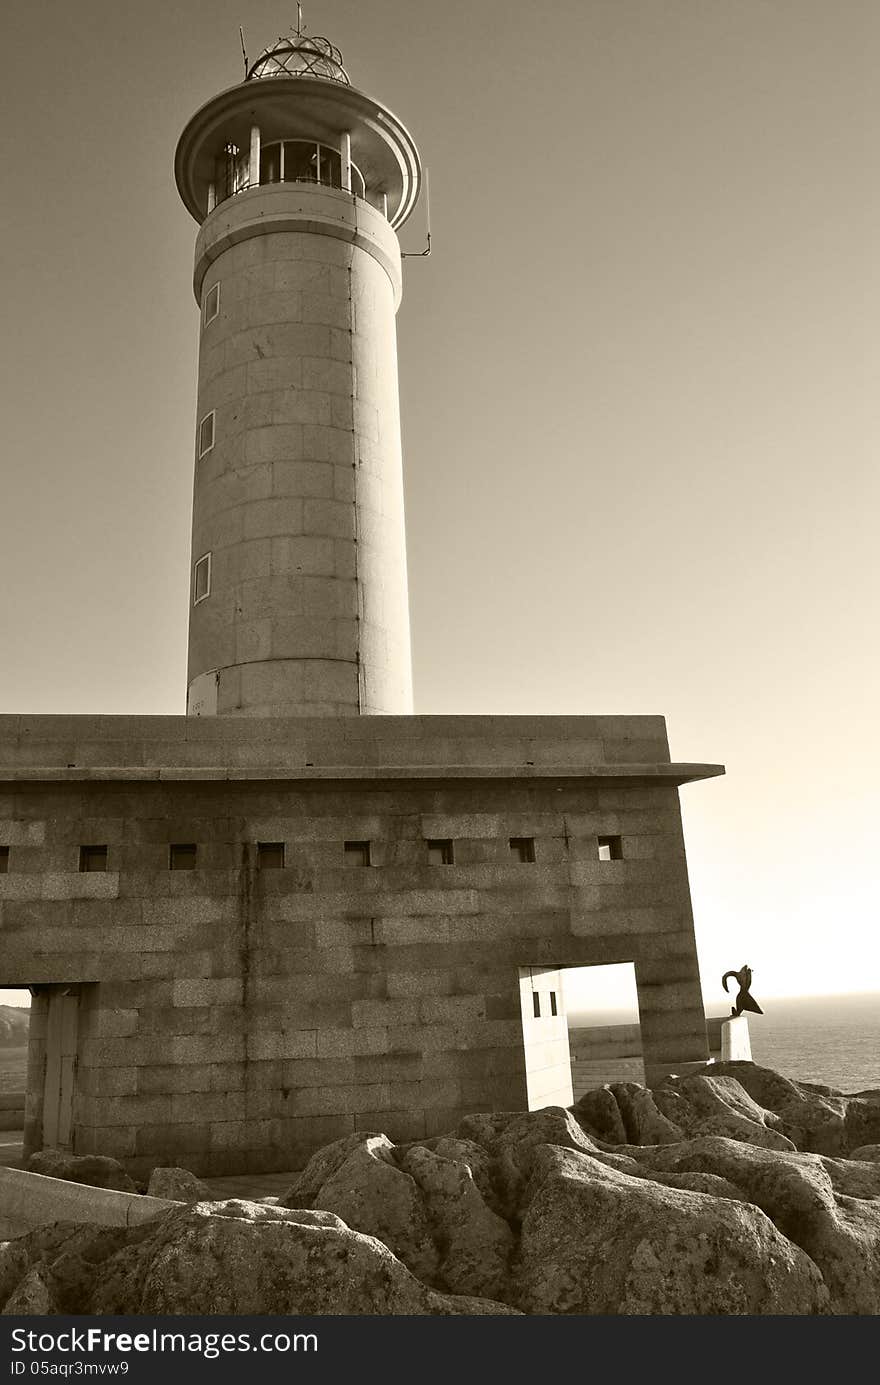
[744, 1001]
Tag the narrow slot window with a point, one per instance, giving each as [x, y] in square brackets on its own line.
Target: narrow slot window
[4, 860]
[182, 856]
[212, 303]
[270, 855]
[357, 853]
[92, 858]
[440, 852]
[522, 849]
[610, 848]
[553, 1003]
[202, 579]
[206, 433]
[536, 1004]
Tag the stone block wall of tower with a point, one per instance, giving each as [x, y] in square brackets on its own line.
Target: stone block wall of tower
[236, 1017]
[299, 499]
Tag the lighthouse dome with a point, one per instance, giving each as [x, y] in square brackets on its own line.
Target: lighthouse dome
[300, 55]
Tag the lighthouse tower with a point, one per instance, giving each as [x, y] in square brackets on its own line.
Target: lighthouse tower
[299, 183]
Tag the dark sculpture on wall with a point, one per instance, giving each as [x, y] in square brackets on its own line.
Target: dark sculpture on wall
[744, 1001]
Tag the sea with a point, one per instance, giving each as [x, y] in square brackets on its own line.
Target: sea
[832, 1040]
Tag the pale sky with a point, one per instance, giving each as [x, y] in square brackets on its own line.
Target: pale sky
[638, 389]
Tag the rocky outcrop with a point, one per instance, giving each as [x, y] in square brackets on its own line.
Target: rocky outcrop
[701, 1203]
[96, 1170]
[179, 1185]
[226, 1257]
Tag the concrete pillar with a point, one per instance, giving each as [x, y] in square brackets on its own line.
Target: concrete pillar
[346, 161]
[300, 498]
[212, 198]
[254, 165]
[735, 1043]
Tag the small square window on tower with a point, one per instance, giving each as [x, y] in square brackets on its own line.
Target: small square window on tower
[206, 433]
[440, 852]
[4, 860]
[610, 848]
[212, 303]
[202, 579]
[357, 853]
[182, 856]
[522, 849]
[270, 855]
[92, 858]
[536, 1004]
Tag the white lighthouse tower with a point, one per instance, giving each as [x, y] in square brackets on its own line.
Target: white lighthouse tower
[298, 587]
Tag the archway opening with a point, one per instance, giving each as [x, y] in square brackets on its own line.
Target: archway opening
[15, 1012]
[604, 1035]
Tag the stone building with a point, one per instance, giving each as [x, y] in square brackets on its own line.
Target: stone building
[300, 910]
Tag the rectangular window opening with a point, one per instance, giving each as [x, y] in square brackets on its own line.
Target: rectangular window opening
[4, 860]
[357, 853]
[206, 434]
[92, 858]
[522, 849]
[610, 848]
[440, 852]
[553, 1009]
[202, 579]
[212, 303]
[270, 855]
[182, 856]
[536, 1004]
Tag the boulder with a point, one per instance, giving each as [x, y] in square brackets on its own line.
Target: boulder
[869, 1153]
[718, 1106]
[644, 1123]
[241, 1257]
[598, 1113]
[14, 1264]
[96, 1170]
[474, 1242]
[839, 1232]
[178, 1184]
[323, 1164]
[372, 1195]
[32, 1296]
[594, 1240]
[814, 1119]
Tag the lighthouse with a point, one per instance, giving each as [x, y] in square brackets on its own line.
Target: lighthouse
[298, 587]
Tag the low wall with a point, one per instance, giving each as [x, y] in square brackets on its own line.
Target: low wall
[11, 1110]
[31, 1200]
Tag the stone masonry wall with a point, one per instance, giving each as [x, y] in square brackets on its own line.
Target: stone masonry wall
[235, 1017]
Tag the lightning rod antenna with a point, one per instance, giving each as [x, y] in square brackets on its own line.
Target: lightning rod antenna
[243, 52]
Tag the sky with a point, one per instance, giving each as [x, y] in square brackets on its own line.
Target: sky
[638, 391]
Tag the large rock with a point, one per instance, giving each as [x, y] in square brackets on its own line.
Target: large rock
[598, 1113]
[839, 1232]
[643, 1121]
[718, 1105]
[177, 1184]
[594, 1240]
[225, 1257]
[869, 1153]
[475, 1244]
[33, 1296]
[813, 1118]
[96, 1170]
[371, 1194]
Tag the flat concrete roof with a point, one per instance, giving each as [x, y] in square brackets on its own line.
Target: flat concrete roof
[175, 749]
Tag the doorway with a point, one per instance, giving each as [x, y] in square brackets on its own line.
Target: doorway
[604, 1033]
[15, 1013]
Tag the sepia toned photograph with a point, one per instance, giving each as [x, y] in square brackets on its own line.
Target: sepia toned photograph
[438, 675]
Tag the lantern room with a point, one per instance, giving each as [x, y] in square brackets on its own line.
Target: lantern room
[296, 119]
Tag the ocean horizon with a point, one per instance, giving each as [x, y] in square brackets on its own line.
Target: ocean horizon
[833, 1040]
